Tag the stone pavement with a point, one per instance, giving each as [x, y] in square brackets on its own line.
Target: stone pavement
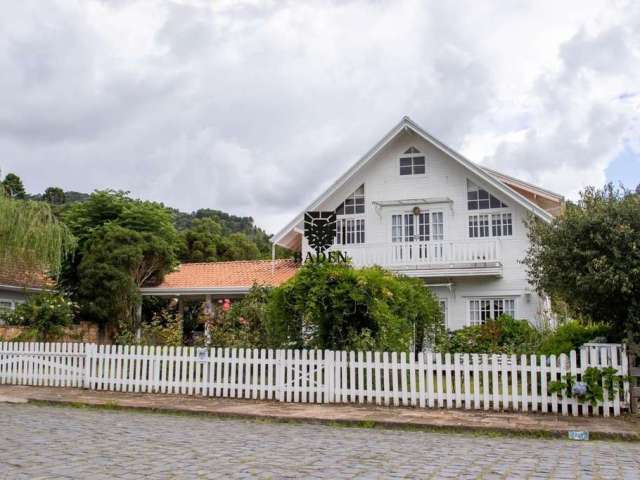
[549, 425]
[47, 442]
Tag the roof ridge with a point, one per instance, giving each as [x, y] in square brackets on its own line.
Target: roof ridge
[238, 261]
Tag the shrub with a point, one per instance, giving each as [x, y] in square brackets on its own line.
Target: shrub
[570, 336]
[244, 324]
[503, 335]
[337, 307]
[45, 316]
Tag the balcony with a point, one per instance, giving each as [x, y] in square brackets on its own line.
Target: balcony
[465, 258]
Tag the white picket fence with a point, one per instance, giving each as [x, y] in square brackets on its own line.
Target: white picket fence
[433, 380]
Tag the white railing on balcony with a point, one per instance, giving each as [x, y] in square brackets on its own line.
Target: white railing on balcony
[426, 254]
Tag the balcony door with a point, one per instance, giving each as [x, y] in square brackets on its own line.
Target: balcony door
[417, 237]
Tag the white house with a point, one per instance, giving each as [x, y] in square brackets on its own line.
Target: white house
[417, 207]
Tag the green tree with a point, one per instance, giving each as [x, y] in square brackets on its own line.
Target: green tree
[237, 246]
[335, 306]
[32, 237]
[13, 186]
[589, 258]
[200, 242]
[54, 196]
[123, 244]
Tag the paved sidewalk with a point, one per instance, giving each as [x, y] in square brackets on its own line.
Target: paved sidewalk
[626, 427]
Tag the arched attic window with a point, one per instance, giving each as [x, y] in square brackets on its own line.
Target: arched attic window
[350, 223]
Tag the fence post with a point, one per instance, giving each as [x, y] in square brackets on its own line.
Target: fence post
[279, 376]
[89, 349]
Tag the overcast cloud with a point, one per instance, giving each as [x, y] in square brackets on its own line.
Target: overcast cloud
[253, 107]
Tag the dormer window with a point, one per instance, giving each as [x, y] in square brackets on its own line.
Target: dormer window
[412, 162]
[480, 199]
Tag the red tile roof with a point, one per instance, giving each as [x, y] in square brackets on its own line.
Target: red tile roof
[14, 275]
[242, 273]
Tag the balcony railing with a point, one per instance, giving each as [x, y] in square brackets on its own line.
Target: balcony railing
[473, 253]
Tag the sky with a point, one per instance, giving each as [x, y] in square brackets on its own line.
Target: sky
[254, 107]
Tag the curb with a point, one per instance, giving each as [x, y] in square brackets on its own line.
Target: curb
[341, 422]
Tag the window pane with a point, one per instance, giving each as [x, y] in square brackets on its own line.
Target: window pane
[495, 203]
[418, 161]
[340, 209]
[405, 170]
[405, 162]
[472, 204]
[483, 221]
[483, 204]
[496, 225]
[473, 226]
[507, 226]
[472, 195]
[418, 170]
[408, 228]
[483, 195]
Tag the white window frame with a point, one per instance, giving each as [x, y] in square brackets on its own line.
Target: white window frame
[490, 302]
[413, 156]
[416, 225]
[490, 214]
[444, 306]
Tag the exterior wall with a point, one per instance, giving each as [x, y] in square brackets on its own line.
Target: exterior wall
[445, 178]
[12, 296]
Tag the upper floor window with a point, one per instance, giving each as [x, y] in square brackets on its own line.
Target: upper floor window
[350, 226]
[353, 204]
[412, 162]
[479, 199]
[501, 225]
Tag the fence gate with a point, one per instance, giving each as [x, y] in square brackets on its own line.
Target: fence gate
[305, 376]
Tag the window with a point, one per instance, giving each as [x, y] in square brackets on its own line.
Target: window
[480, 199]
[443, 308]
[6, 305]
[412, 162]
[353, 204]
[350, 224]
[481, 310]
[423, 227]
[349, 231]
[501, 225]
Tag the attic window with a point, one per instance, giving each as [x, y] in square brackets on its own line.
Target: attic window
[412, 162]
[353, 204]
[480, 199]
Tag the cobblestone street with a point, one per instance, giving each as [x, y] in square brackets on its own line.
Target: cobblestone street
[59, 442]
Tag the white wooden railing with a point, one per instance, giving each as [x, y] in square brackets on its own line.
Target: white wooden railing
[433, 380]
[425, 254]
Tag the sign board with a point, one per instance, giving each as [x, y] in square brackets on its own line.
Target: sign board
[578, 435]
[202, 354]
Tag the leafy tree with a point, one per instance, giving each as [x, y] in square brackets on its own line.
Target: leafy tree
[589, 258]
[200, 242]
[13, 186]
[335, 306]
[123, 244]
[237, 246]
[54, 196]
[32, 237]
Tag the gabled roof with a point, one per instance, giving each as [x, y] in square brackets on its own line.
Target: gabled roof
[223, 277]
[407, 124]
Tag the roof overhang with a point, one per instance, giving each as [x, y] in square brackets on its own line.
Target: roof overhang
[15, 288]
[198, 291]
[407, 124]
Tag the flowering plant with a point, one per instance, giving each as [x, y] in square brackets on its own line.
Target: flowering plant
[45, 314]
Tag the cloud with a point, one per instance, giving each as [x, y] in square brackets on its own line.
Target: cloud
[254, 107]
